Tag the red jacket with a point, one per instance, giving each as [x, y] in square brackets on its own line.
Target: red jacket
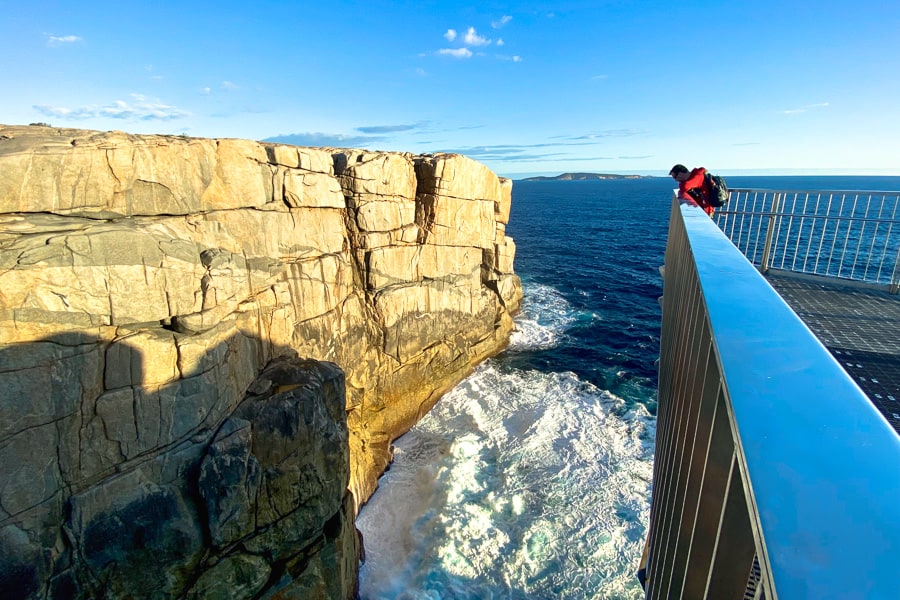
[697, 183]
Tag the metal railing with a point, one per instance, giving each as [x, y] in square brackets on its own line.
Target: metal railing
[774, 476]
[851, 235]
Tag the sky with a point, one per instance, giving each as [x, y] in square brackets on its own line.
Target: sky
[527, 88]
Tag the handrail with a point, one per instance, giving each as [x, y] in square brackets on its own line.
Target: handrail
[769, 213]
[818, 191]
[774, 476]
[848, 235]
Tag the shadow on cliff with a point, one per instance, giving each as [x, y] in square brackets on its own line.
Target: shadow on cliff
[184, 467]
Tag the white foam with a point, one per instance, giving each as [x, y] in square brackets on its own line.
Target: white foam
[544, 317]
[517, 484]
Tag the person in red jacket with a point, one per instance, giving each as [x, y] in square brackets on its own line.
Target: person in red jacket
[691, 184]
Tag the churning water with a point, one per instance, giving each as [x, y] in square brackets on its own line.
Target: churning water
[532, 479]
[519, 484]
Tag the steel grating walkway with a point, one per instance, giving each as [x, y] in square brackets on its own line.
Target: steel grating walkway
[861, 328]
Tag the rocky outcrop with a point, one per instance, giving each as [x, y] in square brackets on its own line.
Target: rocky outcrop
[208, 346]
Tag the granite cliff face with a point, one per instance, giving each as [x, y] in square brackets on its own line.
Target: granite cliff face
[208, 346]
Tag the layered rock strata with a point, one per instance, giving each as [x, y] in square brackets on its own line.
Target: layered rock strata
[208, 346]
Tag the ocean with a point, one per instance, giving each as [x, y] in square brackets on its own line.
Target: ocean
[532, 478]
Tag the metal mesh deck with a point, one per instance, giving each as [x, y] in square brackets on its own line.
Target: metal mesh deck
[860, 327]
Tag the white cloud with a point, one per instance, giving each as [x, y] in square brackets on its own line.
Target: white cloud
[517, 58]
[456, 52]
[56, 40]
[608, 133]
[808, 107]
[332, 140]
[205, 91]
[228, 85]
[141, 109]
[501, 21]
[473, 39]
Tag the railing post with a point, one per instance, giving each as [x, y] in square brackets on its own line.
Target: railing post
[894, 287]
[770, 234]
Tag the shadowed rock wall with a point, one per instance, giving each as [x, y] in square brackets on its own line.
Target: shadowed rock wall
[207, 347]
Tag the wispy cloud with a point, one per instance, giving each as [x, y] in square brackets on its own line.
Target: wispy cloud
[522, 152]
[59, 40]
[608, 133]
[450, 35]
[140, 108]
[489, 153]
[501, 21]
[456, 52]
[599, 77]
[552, 150]
[228, 85]
[510, 155]
[371, 135]
[388, 128]
[803, 109]
[334, 140]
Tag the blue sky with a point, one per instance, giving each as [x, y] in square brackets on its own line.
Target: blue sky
[526, 88]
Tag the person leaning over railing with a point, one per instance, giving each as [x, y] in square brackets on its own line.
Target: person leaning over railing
[691, 184]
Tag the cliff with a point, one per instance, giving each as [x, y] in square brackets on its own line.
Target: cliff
[208, 346]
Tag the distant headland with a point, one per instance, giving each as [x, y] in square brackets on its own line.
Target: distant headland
[586, 177]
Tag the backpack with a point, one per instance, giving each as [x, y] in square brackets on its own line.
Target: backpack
[718, 190]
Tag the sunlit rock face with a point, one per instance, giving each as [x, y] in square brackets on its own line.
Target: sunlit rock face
[207, 347]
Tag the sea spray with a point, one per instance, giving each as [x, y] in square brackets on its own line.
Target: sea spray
[516, 485]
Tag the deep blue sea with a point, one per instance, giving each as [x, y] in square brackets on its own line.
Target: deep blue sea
[532, 478]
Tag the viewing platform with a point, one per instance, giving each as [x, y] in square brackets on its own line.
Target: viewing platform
[834, 257]
[777, 460]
